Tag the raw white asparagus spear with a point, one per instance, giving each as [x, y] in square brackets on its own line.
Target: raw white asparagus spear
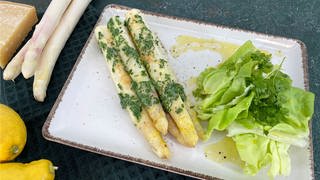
[41, 35]
[128, 97]
[54, 46]
[142, 84]
[171, 93]
[13, 69]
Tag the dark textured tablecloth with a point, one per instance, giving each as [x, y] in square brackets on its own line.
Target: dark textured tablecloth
[298, 19]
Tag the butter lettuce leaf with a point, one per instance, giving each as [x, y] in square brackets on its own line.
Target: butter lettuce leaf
[221, 119]
[259, 151]
[256, 103]
[298, 110]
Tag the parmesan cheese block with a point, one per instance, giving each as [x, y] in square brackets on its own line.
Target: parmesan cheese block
[16, 21]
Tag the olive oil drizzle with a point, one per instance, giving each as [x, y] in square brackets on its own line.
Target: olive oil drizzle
[223, 151]
[186, 43]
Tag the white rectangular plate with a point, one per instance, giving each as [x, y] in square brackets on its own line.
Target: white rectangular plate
[87, 113]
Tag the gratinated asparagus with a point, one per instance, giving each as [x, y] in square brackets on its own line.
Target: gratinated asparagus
[174, 131]
[155, 59]
[141, 82]
[195, 120]
[128, 97]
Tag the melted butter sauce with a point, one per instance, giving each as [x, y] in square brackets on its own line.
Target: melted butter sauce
[186, 43]
[223, 151]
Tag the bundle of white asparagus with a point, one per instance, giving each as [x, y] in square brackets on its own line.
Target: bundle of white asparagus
[38, 56]
[146, 85]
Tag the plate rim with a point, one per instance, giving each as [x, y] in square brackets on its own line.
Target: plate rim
[45, 128]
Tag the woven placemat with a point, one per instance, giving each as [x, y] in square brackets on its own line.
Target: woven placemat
[73, 163]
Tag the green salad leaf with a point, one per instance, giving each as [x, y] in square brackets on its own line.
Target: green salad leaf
[255, 102]
[259, 151]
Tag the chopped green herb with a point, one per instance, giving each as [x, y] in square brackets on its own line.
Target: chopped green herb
[131, 102]
[167, 77]
[102, 45]
[145, 93]
[119, 40]
[100, 35]
[156, 85]
[120, 87]
[111, 53]
[114, 31]
[145, 41]
[117, 19]
[138, 19]
[171, 93]
[179, 110]
[162, 63]
[157, 42]
[131, 52]
[180, 91]
[144, 73]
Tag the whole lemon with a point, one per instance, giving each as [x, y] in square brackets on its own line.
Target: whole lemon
[13, 134]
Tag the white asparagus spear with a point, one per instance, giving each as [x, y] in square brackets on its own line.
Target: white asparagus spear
[128, 98]
[13, 69]
[174, 131]
[41, 35]
[54, 46]
[196, 121]
[155, 57]
[142, 83]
